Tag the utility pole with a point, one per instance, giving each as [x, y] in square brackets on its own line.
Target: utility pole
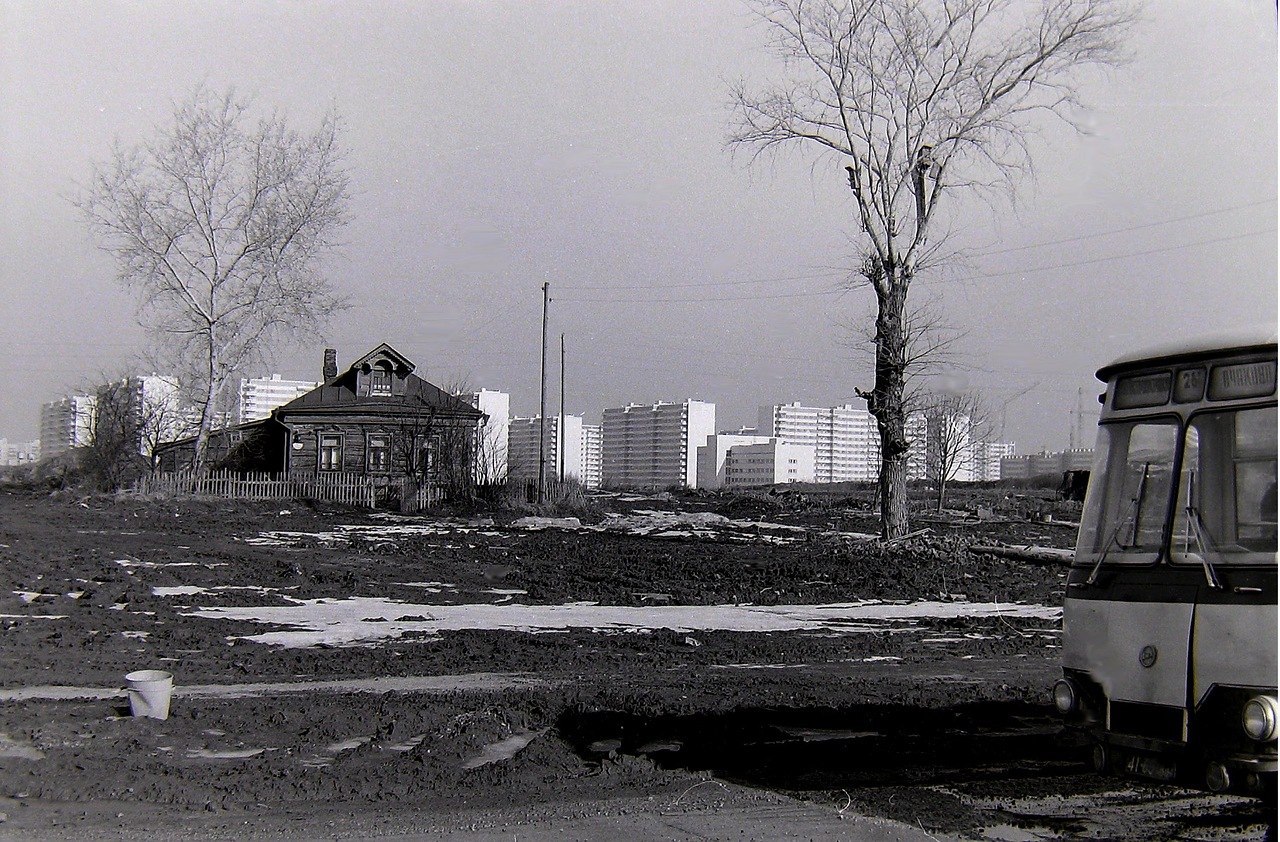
[560, 442]
[542, 412]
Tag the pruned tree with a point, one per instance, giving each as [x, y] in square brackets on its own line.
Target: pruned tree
[957, 424]
[220, 225]
[918, 99]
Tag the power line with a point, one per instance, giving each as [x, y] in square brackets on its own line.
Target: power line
[1142, 227]
[829, 274]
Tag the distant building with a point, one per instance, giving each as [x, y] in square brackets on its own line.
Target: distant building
[845, 439]
[563, 442]
[19, 453]
[260, 395]
[768, 463]
[492, 451]
[148, 409]
[712, 456]
[66, 423]
[656, 445]
[987, 456]
[1046, 463]
[592, 455]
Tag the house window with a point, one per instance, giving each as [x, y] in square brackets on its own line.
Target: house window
[330, 452]
[380, 381]
[379, 447]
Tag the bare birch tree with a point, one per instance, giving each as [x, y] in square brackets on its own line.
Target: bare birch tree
[219, 226]
[957, 425]
[917, 99]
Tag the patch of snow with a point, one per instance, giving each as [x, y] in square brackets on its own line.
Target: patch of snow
[178, 590]
[362, 621]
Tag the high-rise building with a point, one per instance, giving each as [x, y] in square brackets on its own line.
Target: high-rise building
[845, 439]
[1046, 463]
[987, 456]
[563, 443]
[768, 463]
[260, 395]
[592, 455]
[656, 445]
[148, 409]
[66, 423]
[493, 447]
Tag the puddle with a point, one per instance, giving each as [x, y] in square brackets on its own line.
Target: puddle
[363, 621]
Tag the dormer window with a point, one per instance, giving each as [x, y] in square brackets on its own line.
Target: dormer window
[380, 380]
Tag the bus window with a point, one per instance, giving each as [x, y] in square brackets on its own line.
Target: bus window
[1226, 506]
[1124, 518]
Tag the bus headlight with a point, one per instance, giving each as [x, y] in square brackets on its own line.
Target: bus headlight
[1260, 716]
[1065, 698]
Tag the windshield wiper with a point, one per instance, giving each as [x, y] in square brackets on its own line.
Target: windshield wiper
[1203, 539]
[1135, 506]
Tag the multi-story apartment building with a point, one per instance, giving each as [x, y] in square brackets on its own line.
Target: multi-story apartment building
[260, 395]
[66, 423]
[987, 456]
[656, 445]
[845, 439]
[149, 408]
[712, 456]
[1046, 463]
[19, 453]
[592, 455]
[768, 463]
[563, 443]
[493, 445]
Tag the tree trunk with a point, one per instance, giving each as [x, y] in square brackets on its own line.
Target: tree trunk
[942, 493]
[207, 412]
[886, 403]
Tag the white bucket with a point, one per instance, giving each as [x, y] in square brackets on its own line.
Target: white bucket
[149, 692]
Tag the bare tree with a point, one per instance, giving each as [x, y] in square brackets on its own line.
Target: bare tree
[219, 225]
[918, 97]
[957, 425]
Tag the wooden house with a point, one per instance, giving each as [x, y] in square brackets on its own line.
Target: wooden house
[377, 419]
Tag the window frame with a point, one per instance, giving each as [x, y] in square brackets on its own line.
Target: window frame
[369, 467]
[320, 451]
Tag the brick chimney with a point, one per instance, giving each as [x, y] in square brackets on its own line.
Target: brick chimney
[330, 364]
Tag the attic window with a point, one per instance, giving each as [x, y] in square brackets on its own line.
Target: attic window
[380, 380]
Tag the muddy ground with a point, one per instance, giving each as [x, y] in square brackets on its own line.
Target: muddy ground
[956, 679]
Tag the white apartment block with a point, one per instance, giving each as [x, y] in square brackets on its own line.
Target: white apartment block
[845, 439]
[656, 445]
[563, 443]
[492, 446]
[987, 456]
[66, 423]
[19, 453]
[592, 455]
[260, 395]
[1046, 463]
[712, 456]
[768, 463]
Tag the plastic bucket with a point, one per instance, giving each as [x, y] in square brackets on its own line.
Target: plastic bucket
[149, 692]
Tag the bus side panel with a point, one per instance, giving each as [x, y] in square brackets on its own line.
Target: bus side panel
[1235, 645]
[1105, 638]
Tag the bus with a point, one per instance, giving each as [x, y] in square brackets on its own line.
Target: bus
[1169, 615]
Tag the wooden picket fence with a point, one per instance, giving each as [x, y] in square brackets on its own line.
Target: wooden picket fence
[351, 489]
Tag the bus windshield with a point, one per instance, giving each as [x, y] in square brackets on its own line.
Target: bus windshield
[1124, 517]
[1226, 509]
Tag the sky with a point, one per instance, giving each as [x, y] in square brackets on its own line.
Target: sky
[498, 146]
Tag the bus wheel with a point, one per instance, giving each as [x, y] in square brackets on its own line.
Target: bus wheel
[1101, 758]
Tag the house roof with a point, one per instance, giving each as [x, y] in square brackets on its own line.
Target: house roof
[339, 394]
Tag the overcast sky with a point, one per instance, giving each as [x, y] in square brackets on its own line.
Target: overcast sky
[496, 146]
